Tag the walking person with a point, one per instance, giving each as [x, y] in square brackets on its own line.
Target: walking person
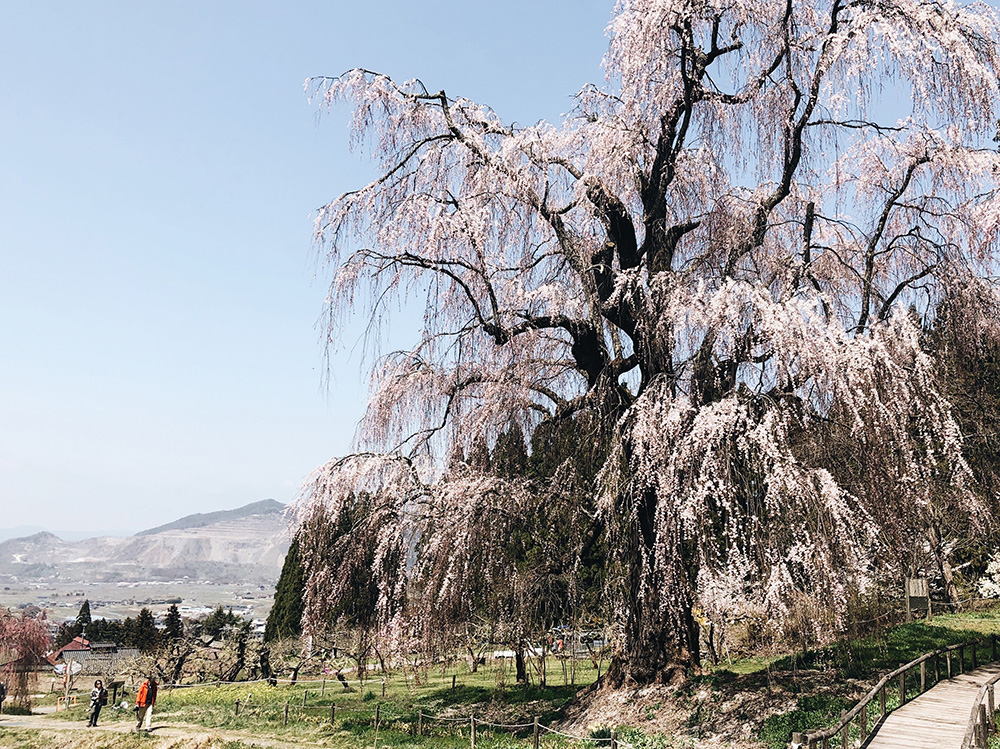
[98, 699]
[144, 702]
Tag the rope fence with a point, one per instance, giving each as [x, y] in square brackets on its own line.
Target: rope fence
[379, 716]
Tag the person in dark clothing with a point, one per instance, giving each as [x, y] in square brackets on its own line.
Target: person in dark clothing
[98, 699]
[3, 695]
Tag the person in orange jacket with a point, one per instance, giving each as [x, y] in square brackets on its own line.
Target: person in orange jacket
[144, 702]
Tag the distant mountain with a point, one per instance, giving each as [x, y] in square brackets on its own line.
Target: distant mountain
[20, 532]
[66, 535]
[201, 519]
[243, 545]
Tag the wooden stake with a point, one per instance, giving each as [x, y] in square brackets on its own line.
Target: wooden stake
[472, 731]
[420, 723]
[286, 712]
[534, 737]
[333, 713]
[237, 708]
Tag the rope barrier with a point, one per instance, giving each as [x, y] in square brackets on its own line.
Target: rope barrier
[283, 709]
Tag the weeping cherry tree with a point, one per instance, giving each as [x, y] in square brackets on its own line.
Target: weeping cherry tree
[718, 265]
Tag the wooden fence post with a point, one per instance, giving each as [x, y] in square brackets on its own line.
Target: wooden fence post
[472, 732]
[534, 738]
[947, 658]
[989, 695]
[237, 708]
[322, 689]
[378, 715]
[902, 689]
[845, 732]
[985, 730]
[937, 668]
[798, 739]
[420, 723]
[864, 723]
[614, 739]
[333, 712]
[304, 697]
[923, 676]
[881, 699]
[286, 712]
[453, 681]
[961, 659]
[383, 687]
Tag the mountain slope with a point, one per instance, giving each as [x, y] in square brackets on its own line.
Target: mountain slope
[201, 519]
[243, 545]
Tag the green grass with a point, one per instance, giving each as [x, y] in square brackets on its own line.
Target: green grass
[10, 709]
[816, 711]
[870, 658]
[262, 709]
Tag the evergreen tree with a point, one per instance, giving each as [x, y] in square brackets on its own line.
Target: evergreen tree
[479, 455]
[127, 632]
[285, 617]
[218, 620]
[84, 618]
[67, 632]
[146, 635]
[510, 455]
[173, 624]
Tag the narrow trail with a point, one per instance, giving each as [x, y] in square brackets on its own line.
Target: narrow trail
[937, 719]
[44, 720]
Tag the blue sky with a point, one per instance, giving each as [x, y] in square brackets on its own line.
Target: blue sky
[159, 165]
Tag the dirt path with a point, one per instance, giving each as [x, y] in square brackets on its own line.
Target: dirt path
[179, 734]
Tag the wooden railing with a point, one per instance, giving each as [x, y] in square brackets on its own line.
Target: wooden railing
[982, 722]
[821, 739]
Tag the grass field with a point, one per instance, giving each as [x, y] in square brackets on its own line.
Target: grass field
[431, 713]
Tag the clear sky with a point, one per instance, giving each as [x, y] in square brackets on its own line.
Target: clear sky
[159, 166]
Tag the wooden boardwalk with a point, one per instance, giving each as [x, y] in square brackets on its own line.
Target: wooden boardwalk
[937, 719]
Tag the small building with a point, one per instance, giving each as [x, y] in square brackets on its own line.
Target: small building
[74, 649]
[97, 658]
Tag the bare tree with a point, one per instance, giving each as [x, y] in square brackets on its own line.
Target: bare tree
[718, 260]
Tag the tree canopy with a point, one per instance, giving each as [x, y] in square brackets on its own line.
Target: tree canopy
[716, 269]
